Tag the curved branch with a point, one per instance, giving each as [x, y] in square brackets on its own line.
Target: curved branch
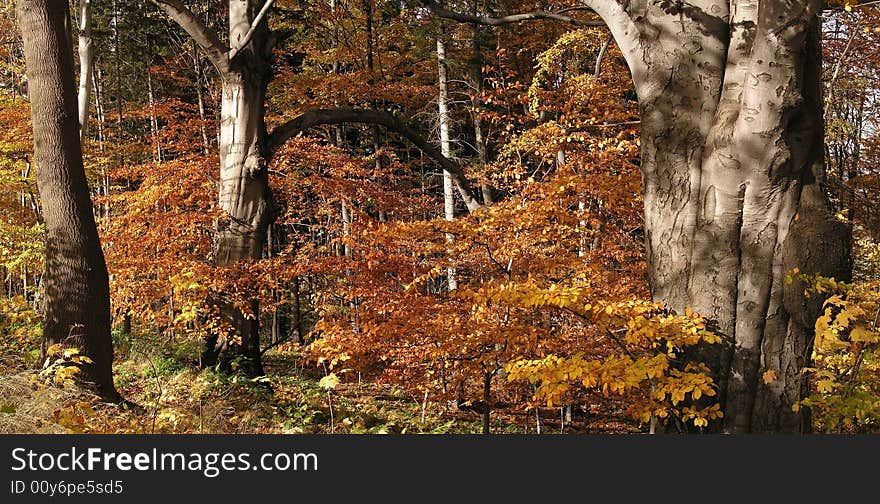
[512, 18]
[205, 37]
[318, 117]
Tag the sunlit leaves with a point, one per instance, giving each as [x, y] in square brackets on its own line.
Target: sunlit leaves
[846, 372]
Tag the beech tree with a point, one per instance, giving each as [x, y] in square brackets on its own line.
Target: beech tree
[76, 292]
[246, 147]
[733, 181]
[551, 326]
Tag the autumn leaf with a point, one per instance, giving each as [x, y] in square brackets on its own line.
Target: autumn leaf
[329, 382]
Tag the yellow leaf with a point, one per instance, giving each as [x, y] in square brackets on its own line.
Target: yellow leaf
[861, 334]
[769, 376]
[329, 382]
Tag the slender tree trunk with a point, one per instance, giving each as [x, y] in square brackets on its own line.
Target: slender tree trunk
[86, 66]
[445, 144]
[487, 404]
[200, 73]
[297, 313]
[99, 108]
[476, 76]
[105, 177]
[117, 60]
[77, 298]
[154, 122]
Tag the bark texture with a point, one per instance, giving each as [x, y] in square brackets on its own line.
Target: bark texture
[733, 180]
[77, 298]
[244, 180]
[245, 70]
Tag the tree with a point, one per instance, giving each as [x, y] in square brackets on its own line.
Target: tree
[445, 143]
[734, 183]
[86, 66]
[246, 149]
[76, 300]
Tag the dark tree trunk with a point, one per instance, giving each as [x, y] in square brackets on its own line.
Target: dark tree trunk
[77, 298]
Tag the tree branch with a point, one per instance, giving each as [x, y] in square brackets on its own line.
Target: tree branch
[250, 33]
[205, 37]
[512, 18]
[317, 117]
[598, 68]
[613, 15]
[626, 35]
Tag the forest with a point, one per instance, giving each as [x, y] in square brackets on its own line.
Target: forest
[439, 216]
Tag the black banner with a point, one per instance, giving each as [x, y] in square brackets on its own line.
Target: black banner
[75, 468]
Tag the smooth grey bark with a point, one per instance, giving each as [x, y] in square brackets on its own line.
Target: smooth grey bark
[244, 182]
[733, 180]
[77, 295]
[244, 68]
[734, 184]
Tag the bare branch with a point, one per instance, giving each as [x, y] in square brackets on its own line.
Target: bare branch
[512, 18]
[250, 33]
[598, 69]
[626, 35]
[205, 37]
[317, 117]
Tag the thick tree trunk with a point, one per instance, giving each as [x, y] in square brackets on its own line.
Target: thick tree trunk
[734, 190]
[244, 183]
[76, 299]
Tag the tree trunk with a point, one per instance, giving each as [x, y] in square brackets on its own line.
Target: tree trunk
[77, 298]
[154, 122]
[200, 94]
[734, 190]
[445, 144]
[476, 77]
[86, 66]
[244, 182]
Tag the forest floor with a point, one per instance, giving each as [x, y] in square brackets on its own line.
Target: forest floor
[170, 395]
